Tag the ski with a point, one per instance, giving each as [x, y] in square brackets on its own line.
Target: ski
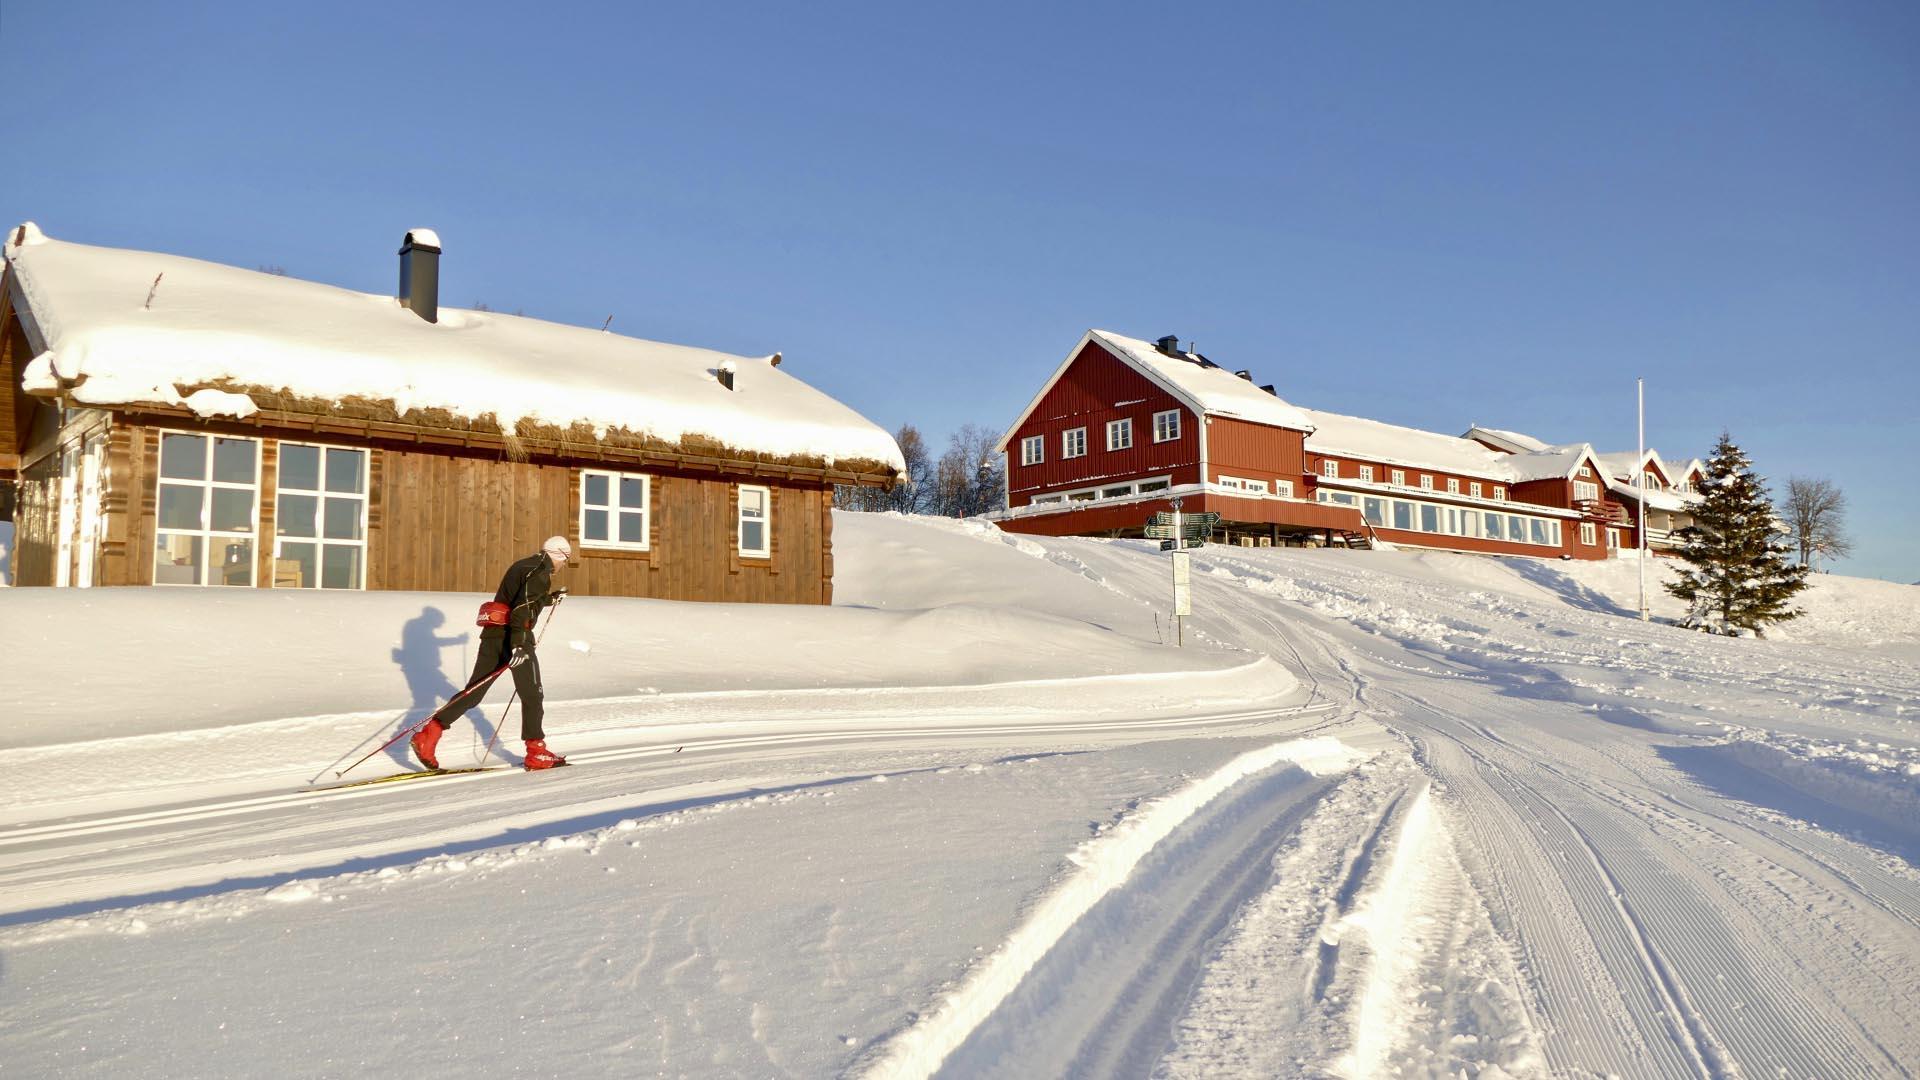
[418, 774]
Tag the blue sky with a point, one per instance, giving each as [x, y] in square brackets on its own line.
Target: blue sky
[1433, 215]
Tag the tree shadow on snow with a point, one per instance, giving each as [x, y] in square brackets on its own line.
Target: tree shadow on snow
[1556, 581]
[1714, 770]
[419, 659]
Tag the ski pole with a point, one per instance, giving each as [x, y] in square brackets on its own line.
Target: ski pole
[435, 715]
[537, 639]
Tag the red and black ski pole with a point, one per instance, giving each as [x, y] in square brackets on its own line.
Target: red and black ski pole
[435, 715]
[537, 639]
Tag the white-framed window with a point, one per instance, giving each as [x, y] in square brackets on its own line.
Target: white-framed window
[1166, 425]
[1474, 489]
[1613, 539]
[1241, 484]
[1588, 534]
[1426, 481]
[1033, 450]
[1161, 484]
[1119, 492]
[1283, 488]
[1366, 473]
[1453, 486]
[1040, 500]
[1399, 478]
[1586, 489]
[756, 526]
[207, 511]
[1499, 493]
[1120, 434]
[1586, 472]
[1073, 443]
[614, 509]
[320, 517]
[1330, 469]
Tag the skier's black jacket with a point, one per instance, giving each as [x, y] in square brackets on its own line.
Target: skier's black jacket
[527, 589]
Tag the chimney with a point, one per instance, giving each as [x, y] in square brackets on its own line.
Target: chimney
[1269, 389]
[725, 373]
[420, 274]
[1247, 375]
[1170, 345]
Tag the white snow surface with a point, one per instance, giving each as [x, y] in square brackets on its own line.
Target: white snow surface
[1389, 814]
[136, 326]
[1215, 390]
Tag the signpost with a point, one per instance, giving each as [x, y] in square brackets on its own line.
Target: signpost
[1177, 532]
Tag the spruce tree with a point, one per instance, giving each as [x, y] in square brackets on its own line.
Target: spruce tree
[1737, 552]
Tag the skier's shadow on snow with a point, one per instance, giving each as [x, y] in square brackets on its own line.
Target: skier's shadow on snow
[419, 660]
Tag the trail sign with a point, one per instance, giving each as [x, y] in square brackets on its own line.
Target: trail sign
[1207, 518]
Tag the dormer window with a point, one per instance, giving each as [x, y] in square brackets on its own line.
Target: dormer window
[1399, 478]
[1330, 469]
[1366, 473]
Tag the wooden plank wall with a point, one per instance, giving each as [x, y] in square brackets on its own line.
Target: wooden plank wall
[448, 523]
[36, 518]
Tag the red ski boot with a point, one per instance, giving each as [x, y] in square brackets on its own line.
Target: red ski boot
[424, 742]
[539, 757]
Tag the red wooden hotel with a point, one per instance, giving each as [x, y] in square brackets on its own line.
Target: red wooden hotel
[1124, 426]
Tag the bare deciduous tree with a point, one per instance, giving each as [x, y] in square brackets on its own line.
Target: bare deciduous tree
[970, 477]
[1815, 511]
[911, 495]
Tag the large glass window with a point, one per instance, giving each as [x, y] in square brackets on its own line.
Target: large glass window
[755, 537]
[1494, 529]
[1375, 510]
[320, 518]
[1429, 518]
[206, 512]
[614, 508]
[1402, 515]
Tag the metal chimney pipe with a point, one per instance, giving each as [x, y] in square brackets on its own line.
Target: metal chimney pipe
[420, 274]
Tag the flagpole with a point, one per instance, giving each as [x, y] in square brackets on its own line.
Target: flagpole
[1640, 483]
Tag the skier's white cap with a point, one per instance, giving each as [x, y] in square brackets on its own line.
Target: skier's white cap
[557, 545]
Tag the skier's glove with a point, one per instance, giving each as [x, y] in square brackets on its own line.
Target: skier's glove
[519, 657]
[557, 595]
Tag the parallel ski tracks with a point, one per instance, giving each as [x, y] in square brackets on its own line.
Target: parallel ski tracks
[200, 812]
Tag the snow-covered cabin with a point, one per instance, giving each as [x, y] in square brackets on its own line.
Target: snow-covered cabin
[1124, 426]
[169, 421]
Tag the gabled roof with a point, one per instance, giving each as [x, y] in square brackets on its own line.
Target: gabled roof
[1512, 442]
[1625, 463]
[125, 327]
[1554, 462]
[1205, 388]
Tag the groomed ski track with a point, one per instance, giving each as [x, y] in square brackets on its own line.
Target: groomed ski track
[1507, 873]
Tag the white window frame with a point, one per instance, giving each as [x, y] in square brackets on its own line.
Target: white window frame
[1120, 434]
[1283, 488]
[1398, 477]
[1033, 449]
[1587, 490]
[1426, 481]
[1613, 540]
[1166, 425]
[1258, 487]
[1068, 441]
[765, 551]
[206, 534]
[1499, 493]
[318, 538]
[1588, 534]
[1330, 469]
[1366, 473]
[615, 510]
[1453, 485]
[1473, 488]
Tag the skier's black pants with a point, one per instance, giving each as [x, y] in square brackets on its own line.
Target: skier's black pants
[494, 651]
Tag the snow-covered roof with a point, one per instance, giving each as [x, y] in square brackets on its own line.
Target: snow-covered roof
[1622, 464]
[1372, 440]
[1211, 389]
[1549, 462]
[122, 327]
[1512, 441]
[1659, 500]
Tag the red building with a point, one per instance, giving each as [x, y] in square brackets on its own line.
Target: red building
[1124, 426]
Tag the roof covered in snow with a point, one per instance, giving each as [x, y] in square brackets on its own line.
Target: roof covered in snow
[1211, 389]
[123, 327]
[1373, 440]
[1512, 441]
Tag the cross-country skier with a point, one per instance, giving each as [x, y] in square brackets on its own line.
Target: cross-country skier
[525, 591]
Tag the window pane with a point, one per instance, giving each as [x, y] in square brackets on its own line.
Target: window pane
[180, 506]
[1429, 519]
[233, 460]
[633, 528]
[340, 567]
[1402, 515]
[1539, 530]
[343, 519]
[300, 467]
[594, 491]
[232, 510]
[1493, 528]
[344, 469]
[633, 493]
[1516, 528]
[1154, 485]
[296, 515]
[236, 562]
[753, 536]
[176, 560]
[596, 526]
[183, 457]
[297, 567]
[753, 504]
